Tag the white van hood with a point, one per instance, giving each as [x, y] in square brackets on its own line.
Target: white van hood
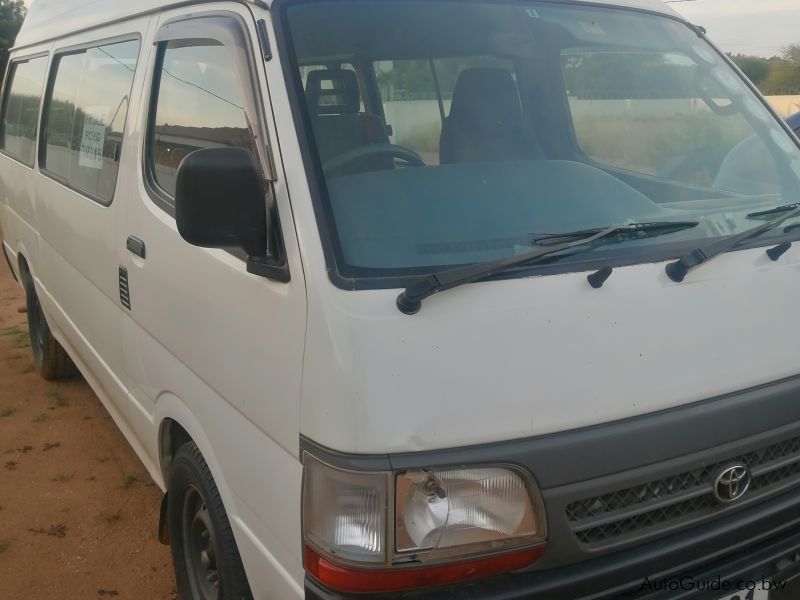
[509, 359]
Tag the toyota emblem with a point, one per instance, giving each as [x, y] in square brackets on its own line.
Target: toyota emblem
[732, 483]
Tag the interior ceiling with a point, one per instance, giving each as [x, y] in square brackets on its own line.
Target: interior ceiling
[395, 29]
[410, 29]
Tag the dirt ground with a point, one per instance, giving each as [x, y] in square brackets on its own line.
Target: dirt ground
[78, 512]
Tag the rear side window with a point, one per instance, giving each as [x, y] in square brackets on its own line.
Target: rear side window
[85, 117]
[21, 108]
[200, 103]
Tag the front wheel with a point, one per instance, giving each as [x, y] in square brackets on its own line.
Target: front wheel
[204, 553]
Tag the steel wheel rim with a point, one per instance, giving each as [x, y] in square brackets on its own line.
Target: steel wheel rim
[199, 549]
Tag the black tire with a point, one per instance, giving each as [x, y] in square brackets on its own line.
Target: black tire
[50, 359]
[204, 553]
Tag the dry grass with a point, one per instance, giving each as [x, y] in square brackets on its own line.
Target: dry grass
[654, 145]
[57, 398]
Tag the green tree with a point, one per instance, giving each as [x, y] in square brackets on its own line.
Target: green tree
[756, 68]
[784, 76]
[413, 79]
[792, 54]
[12, 13]
[626, 76]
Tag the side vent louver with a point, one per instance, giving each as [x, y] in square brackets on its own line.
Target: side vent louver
[124, 292]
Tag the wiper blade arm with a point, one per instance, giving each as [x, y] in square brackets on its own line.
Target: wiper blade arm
[774, 211]
[629, 230]
[410, 301]
[678, 270]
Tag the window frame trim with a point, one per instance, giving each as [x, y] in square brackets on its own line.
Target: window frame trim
[255, 103]
[58, 53]
[157, 194]
[7, 79]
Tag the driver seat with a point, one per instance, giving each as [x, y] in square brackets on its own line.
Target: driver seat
[486, 122]
[334, 101]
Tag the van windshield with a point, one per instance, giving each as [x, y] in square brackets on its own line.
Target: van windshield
[447, 133]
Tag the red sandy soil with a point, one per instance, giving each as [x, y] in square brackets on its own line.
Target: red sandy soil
[78, 511]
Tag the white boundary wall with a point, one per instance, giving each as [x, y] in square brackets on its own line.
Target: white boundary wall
[785, 105]
[410, 114]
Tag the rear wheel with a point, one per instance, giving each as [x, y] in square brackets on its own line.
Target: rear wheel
[50, 359]
[204, 553]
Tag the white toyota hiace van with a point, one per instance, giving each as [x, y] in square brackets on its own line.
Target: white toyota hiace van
[420, 298]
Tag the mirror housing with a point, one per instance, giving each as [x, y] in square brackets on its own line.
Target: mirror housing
[220, 200]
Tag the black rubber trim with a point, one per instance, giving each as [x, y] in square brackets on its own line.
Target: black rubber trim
[588, 453]
[263, 40]
[763, 541]
[8, 262]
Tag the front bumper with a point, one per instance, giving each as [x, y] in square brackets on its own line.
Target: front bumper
[761, 542]
[632, 500]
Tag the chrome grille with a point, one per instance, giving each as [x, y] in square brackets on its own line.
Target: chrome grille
[681, 498]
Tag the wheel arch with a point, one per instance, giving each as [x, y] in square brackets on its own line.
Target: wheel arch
[171, 436]
[177, 425]
[28, 273]
[24, 269]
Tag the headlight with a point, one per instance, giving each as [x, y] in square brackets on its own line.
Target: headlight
[378, 531]
[465, 511]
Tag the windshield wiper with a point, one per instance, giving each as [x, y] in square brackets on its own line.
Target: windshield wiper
[628, 230]
[410, 300]
[678, 270]
[774, 211]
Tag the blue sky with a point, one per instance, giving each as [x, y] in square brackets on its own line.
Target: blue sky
[760, 27]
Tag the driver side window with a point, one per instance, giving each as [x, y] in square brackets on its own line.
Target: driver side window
[199, 104]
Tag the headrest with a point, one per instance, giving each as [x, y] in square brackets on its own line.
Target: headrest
[486, 97]
[340, 97]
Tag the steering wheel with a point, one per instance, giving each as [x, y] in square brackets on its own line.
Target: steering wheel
[391, 150]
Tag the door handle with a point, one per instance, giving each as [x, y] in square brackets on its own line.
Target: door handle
[136, 246]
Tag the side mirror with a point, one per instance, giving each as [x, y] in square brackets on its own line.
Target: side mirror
[220, 201]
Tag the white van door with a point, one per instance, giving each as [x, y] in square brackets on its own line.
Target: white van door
[78, 198]
[207, 343]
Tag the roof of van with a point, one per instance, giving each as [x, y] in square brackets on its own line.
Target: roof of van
[51, 19]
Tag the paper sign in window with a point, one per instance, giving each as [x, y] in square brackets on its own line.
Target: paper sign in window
[94, 137]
